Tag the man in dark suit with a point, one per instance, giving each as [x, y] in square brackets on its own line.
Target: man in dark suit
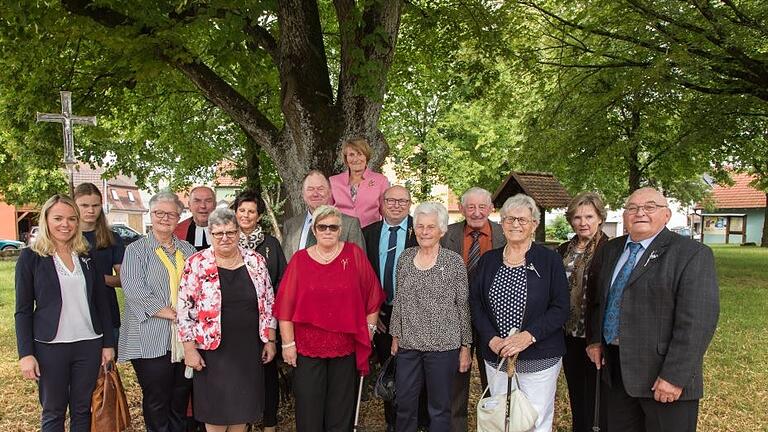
[651, 320]
[297, 235]
[385, 241]
[202, 201]
[471, 238]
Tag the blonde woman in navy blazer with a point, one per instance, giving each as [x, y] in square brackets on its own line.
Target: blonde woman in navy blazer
[62, 313]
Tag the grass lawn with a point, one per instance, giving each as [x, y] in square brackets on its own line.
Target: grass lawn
[735, 369]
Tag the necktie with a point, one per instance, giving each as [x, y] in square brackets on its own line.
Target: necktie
[612, 309]
[474, 252]
[311, 239]
[389, 264]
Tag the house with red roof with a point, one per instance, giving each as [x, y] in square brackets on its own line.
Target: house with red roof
[738, 215]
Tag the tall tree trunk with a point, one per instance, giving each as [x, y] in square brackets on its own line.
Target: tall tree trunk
[315, 120]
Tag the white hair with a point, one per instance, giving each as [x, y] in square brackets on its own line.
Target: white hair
[476, 191]
[433, 208]
[518, 201]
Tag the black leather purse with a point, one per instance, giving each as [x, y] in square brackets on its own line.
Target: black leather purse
[385, 382]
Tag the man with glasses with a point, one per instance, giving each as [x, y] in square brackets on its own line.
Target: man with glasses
[385, 240]
[471, 238]
[652, 318]
[297, 232]
[202, 201]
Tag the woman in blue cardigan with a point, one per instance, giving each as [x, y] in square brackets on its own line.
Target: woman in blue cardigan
[63, 322]
[519, 301]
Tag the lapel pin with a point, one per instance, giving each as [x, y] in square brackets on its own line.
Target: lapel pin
[652, 256]
[531, 267]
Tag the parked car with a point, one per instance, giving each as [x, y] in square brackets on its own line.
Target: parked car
[10, 245]
[686, 232]
[128, 234]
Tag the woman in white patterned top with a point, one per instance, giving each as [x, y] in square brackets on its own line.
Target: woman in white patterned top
[430, 325]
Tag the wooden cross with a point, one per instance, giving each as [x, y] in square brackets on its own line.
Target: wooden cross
[67, 120]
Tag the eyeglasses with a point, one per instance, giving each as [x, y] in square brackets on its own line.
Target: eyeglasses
[648, 208]
[164, 214]
[511, 220]
[324, 227]
[399, 202]
[220, 235]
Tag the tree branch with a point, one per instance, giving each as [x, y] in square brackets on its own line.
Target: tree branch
[211, 85]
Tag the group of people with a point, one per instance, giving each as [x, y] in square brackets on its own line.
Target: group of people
[217, 298]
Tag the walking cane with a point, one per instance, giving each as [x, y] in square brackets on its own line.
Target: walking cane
[357, 409]
[510, 374]
[596, 421]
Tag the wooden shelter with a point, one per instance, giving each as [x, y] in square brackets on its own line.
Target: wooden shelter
[543, 187]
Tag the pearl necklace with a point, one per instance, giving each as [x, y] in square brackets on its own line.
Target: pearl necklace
[518, 263]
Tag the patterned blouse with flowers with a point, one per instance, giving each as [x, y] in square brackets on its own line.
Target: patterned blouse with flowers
[199, 305]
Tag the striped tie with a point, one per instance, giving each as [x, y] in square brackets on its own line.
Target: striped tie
[474, 253]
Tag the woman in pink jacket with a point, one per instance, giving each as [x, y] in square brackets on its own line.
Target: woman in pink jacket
[357, 192]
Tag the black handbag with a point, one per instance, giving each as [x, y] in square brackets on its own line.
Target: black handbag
[385, 382]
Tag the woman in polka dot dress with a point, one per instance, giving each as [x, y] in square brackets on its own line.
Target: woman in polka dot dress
[522, 288]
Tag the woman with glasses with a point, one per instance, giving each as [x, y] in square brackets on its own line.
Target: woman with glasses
[357, 191]
[519, 300]
[327, 307]
[249, 207]
[586, 214]
[226, 325]
[150, 276]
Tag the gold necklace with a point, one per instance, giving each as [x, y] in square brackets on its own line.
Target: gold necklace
[228, 262]
[327, 258]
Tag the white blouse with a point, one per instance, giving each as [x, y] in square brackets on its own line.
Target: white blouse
[75, 320]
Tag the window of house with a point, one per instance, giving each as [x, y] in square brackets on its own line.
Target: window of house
[131, 198]
[114, 194]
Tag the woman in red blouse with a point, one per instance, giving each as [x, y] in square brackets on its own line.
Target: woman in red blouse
[327, 307]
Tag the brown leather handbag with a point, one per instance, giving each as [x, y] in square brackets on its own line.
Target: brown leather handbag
[109, 406]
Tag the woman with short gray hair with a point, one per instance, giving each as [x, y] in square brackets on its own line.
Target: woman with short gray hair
[150, 279]
[225, 298]
[519, 299]
[430, 326]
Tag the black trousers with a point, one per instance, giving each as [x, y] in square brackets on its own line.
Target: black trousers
[580, 373]
[629, 414]
[326, 392]
[165, 393]
[460, 401]
[68, 373]
[271, 393]
[415, 368]
[382, 343]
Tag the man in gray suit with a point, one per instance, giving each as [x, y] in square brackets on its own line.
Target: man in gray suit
[471, 239]
[297, 234]
[651, 319]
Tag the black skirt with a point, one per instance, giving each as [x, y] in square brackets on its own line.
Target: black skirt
[230, 389]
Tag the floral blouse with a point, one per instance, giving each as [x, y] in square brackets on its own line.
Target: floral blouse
[199, 306]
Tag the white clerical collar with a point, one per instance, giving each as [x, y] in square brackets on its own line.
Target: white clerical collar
[200, 233]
